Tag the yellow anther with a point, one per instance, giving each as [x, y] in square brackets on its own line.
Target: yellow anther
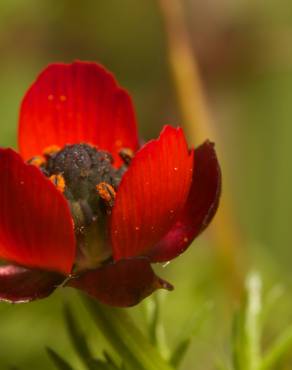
[106, 192]
[59, 182]
[37, 161]
[51, 150]
[127, 155]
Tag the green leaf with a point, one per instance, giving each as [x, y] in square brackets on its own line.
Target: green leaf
[125, 338]
[279, 350]
[109, 360]
[179, 353]
[152, 310]
[191, 327]
[101, 365]
[58, 361]
[77, 337]
[108, 364]
[155, 327]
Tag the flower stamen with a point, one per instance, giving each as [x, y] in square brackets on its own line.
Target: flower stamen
[37, 161]
[59, 182]
[51, 150]
[106, 192]
[126, 155]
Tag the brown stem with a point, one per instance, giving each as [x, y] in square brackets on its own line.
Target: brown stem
[199, 127]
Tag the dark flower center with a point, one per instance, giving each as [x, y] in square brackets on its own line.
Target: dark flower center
[89, 181]
[83, 168]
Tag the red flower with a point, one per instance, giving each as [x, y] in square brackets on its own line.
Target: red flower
[83, 205]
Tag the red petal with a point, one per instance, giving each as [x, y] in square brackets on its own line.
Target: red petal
[152, 193]
[36, 228]
[73, 103]
[18, 285]
[123, 283]
[199, 209]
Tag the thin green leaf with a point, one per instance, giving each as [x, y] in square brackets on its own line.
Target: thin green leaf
[58, 361]
[190, 329]
[152, 310]
[109, 359]
[179, 353]
[98, 364]
[78, 338]
[123, 335]
[155, 326]
[101, 365]
[279, 350]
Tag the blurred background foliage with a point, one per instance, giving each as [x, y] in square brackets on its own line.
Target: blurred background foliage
[244, 53]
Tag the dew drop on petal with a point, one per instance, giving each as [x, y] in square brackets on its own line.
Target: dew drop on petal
[63, 97]
[175, 168]
[137, 228]
[51, 97]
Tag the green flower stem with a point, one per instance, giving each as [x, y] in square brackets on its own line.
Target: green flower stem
[252, 321]
[126, 339]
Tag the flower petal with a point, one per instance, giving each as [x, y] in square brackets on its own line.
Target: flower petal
[73, 103]
[18, 284]
[36, 227]
[200, 207]
[122, 283]
[152, 193]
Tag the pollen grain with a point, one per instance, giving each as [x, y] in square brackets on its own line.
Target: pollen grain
[59, 182]
[127, 155]
[51, 150]
[37, 161]
[106, 192]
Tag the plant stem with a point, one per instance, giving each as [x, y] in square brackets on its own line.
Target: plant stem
[252, 321]
[198, 123]
[125, 338]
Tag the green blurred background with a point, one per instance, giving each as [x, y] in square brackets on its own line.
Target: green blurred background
[245, 57]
